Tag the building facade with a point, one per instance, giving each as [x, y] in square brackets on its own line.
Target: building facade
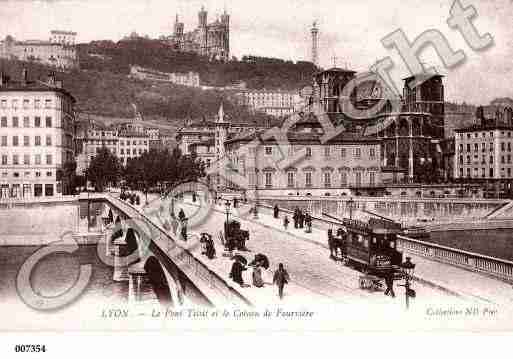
[347, 164]
[37, 126]
[191, 79]
[208, 39]
[59, 51]
[275, 103]
[483, 154]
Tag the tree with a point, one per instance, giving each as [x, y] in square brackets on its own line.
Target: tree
[67, 175]
[104, 169]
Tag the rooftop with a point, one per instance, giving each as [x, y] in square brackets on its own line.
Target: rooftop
[487, 127]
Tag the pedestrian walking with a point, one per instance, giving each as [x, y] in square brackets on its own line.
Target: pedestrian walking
[389, 281]
[236, 272]
[286, 222]
[257, 276]
[295, 217]
[276, 211]
[281, 277]
[301, 219]
[181, 215]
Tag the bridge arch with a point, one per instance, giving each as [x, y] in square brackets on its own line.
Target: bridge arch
[158, 280]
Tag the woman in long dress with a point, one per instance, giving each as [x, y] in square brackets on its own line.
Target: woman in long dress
[257, 277]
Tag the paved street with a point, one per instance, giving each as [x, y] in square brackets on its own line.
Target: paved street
[309, 264]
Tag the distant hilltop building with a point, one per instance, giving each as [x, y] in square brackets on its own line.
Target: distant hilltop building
[275, 103]
[212, 40]
[59, 51]
[190, 78]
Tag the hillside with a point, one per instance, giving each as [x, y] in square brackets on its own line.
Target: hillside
[112, 94]
[257, 72]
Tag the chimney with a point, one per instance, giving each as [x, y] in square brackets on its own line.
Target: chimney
[24, 76]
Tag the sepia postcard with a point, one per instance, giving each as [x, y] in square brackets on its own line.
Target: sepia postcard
[229, 166]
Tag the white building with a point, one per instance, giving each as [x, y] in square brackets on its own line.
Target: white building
[59, 51]
[191, 79]
[36, 137]
[276, 103]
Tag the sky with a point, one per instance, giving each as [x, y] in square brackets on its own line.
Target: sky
[350, 31]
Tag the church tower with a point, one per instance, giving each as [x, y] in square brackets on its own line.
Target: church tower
[220, 136]
[315, 44]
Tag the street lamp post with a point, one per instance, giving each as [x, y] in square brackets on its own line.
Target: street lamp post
[227, 209]
[350, 203]
[408, 269]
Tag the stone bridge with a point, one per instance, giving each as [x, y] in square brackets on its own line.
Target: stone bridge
[144, 254]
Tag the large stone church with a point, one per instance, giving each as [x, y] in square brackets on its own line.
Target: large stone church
[208, 39]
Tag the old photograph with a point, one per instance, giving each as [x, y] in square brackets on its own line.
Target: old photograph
[175, 165]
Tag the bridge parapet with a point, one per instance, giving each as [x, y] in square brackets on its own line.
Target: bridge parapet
[214, 288]
[494, 267]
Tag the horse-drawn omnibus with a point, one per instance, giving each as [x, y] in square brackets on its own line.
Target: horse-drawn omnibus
[370, 246]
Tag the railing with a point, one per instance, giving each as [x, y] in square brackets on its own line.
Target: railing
[496, 267]
[206, 280]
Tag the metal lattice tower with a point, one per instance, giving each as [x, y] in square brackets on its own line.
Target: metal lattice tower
[315, 43]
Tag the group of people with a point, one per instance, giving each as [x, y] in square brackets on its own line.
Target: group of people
[301, 219]
[280, 277]
[208, 247]
[130, 197]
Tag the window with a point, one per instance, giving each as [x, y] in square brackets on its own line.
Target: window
[48, 159]
[491, 172]
[483, 172]
[15, 160]
[48, 103]
[491, 159]
[37, 103]
[468, 160]
[48, 189]
[358, 178]
[461, 172]
[357, 152]
[491, 147]
[48, 122]
[37, 141]
[38, 189]
[15, 140]
[343, 179]
[26, 122]
[372, 153]
[3, 122]
[308, 179]
[15, 122]
[509, 169]
[14, 103]
[460, 147]
[4, 140]
[26, 159]
[308, 152]
[327, 179]
[468, 147]
[4, 159]
[502, 159]
[37, 121]
[326, 151]
[503, 147]
[4, 103]
[483, 147]
[461, 160]
[38, 160]
[48, 140]
[122, 151]
[268, 179]
[372, 178]
[134, 151]
[290, 179]
[509, 158]
[476, 147]
[26, 141]
[343, 153]
[49, 174]
[468, 172]
[26, 103]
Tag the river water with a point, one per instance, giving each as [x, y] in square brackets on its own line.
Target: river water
[494, 243]
[57, 272]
